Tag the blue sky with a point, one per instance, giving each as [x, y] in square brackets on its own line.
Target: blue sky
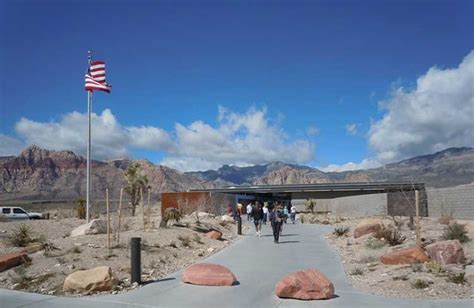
[321, 83]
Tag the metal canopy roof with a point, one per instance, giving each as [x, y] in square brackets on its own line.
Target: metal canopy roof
[321, 191]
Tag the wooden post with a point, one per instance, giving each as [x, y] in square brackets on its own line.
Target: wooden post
[148, 210]
[119, 216]
[417, 205]
[108, 219]
[143, 208]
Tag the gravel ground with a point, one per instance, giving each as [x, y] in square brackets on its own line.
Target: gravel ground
[367, 273]
[164, 251]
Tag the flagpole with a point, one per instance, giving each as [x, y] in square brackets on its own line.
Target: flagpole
[88, 180]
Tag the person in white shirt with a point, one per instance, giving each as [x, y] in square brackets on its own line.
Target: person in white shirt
[249, 211]
[293, 214]
[265, 214]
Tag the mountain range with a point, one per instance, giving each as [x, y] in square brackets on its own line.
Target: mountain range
[41, 174]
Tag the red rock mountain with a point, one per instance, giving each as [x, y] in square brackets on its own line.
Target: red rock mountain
[39, 174]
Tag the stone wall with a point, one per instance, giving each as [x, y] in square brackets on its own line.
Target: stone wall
[458, 202]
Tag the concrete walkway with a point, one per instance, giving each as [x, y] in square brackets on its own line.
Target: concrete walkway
[258, 264]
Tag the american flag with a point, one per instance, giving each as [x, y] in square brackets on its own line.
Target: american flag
[95, 77]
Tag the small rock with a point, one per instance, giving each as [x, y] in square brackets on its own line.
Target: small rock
[211, 249]
[71, 267]
[95, 279]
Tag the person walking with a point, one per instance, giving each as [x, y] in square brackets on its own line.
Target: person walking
[257, 219]
[293, 214]
[265, 214]
[285, 214]
[276, 220]
[249, 211]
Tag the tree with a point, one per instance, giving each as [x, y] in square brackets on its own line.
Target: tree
[135, 182]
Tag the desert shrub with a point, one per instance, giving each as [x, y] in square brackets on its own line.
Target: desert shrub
[172, 244]
[197, 238]
[340, 231]
[390, 235]
[401, 277]
[185, 240]
[456, 232]
[433, 267]
[417, 267]
[76, 249]
[374, 243]
[367, 259]
[169, 215]
[302, 217]
[420, 284]
[357, 272]
[445, 219]
[21, 236]
[81, 208]
[457, 278]
[326, 222]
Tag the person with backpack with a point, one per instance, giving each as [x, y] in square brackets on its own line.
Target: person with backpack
[257, 213]
[293, 214]
[276, 220]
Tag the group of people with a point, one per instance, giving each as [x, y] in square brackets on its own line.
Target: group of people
[277, 215]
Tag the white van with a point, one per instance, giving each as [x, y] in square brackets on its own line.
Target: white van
[13, 212]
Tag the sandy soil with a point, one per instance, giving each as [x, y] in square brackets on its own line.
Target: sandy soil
[367, 273]
[164, 251]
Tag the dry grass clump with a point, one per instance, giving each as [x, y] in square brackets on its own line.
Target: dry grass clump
[456, 232]
[420, 284]
[417, 267]
[170, 214]
[357, 272]
[185, 240]
[445, 219]
[374, 243]
[197, 238]
[390, 235]
[457, 278]
[21, 236]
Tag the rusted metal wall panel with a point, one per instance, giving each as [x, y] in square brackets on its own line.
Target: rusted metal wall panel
[188, 202]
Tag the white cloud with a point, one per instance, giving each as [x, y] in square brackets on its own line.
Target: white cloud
[239, 139]
[364, 164]
[110, 139]
[438, 113]
[312, 131]
[10, 146]
[352, 129]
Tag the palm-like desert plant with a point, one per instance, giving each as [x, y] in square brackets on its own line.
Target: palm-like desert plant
[135, 183]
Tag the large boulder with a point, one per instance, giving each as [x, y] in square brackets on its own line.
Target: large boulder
[367, 228]
[207, 274]
[96, 226]
[405, 256]
[95, 279]
[446, 252]
[307, 284]
[214, 234]
[13, 259]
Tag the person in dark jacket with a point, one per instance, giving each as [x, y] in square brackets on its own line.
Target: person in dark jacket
[276, 219]
[257, 218]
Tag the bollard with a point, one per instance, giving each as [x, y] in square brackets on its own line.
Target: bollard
[135, 270]
[239, 225]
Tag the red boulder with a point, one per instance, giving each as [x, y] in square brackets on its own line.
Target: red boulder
[207, 274]
[367, 228]
[13, 259]
[214, 234]
[308, 284]
[446, 252]
[405, 256]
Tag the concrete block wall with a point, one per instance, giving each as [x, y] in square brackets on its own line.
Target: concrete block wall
[359, 206]
[458, 202]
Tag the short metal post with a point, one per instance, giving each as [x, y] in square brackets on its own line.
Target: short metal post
[136, 270]
[239, 225]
